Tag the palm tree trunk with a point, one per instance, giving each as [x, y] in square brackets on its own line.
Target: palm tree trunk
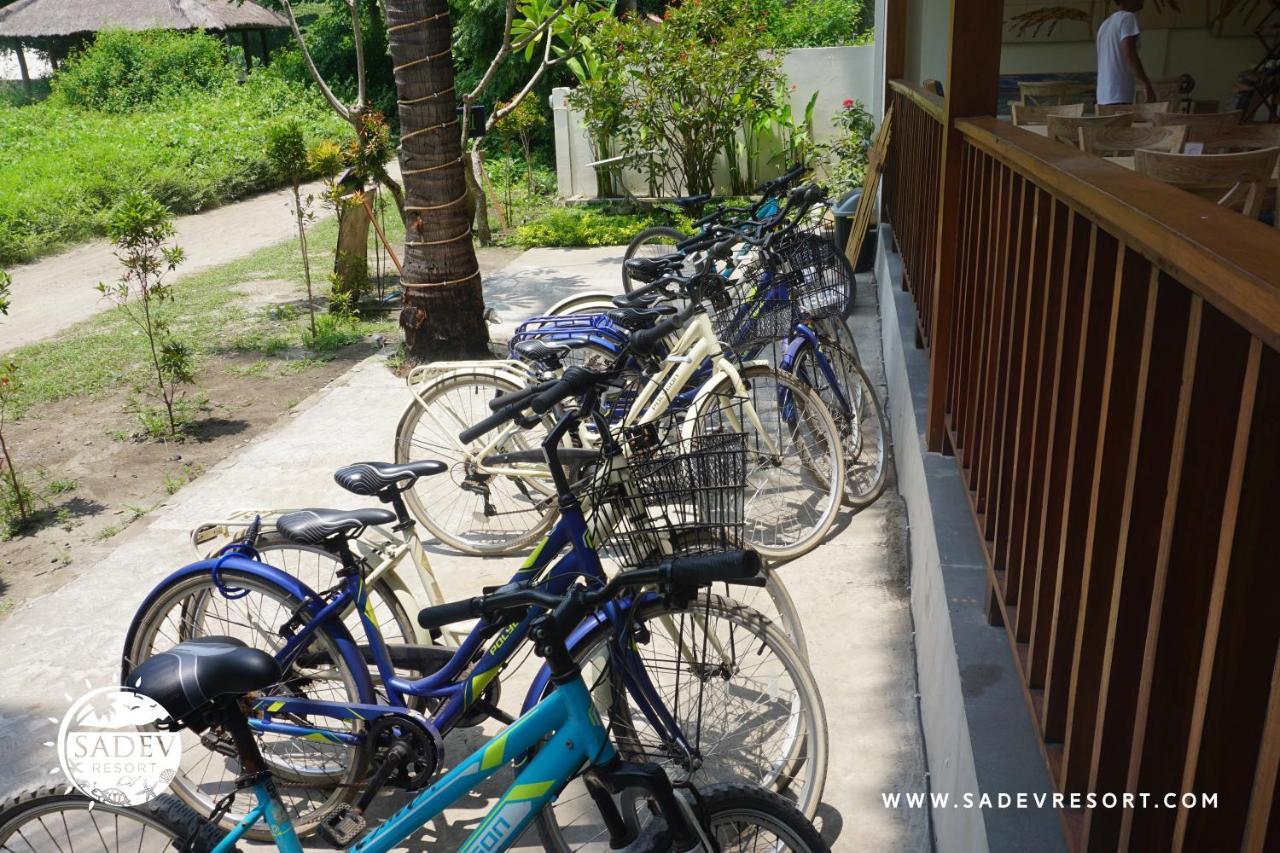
[443, 314]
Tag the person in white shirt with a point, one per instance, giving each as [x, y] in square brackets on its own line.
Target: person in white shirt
[1119, 66]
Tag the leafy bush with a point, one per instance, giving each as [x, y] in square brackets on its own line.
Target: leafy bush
[122, 71]
[581, 226]
[816, 23]
[844, 157]
[62, 169]
[685, 87]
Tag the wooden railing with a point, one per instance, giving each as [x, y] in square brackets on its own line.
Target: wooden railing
[1112, 395]
[910, 194]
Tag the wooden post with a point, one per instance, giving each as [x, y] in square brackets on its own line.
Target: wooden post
[895, 44]
[248, 54]
[972, 86]
[264, 52]
[22, 68]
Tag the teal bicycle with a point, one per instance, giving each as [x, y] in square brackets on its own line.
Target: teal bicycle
[209, 681]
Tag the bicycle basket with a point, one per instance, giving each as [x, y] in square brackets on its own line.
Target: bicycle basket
[820, 285]
[754, 307]
[680, 497]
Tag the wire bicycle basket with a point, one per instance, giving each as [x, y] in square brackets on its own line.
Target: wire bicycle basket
[673, 497]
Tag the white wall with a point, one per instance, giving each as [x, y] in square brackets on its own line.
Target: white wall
[835, 73]
[928, 26]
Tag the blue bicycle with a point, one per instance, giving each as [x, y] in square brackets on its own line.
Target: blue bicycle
[680, 681]
[207, 684]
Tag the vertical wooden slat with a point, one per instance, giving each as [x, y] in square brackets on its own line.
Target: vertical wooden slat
[1014, 474]
[1097, 333]
[1228, 727]
[962, 408]
[1078, 286]
[1133, 314]
[1261, 831]
[1181, 592]
[1027, 529]
[1160, 430]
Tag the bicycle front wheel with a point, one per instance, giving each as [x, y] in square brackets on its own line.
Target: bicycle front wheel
[651, 243]
[741, 818]
[741, 695]
[795, 465]
[45, 819]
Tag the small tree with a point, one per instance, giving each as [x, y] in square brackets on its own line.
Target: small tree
[287, 150]
[680, 87]
[139, 227]
[521, 123]
[8, 390]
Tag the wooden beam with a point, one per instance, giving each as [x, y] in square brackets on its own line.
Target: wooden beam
[895, 43]
[22, 68]
[972, 87]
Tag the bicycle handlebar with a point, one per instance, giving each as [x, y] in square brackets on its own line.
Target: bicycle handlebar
[741, 567]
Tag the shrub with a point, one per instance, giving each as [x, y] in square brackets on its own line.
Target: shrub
[816, 23]
[122, 71]
[684, 86]
[581, 226]
[63, 169]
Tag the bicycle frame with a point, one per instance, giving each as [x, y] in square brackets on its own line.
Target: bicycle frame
[574, 738]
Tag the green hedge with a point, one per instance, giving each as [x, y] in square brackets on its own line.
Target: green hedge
[122, 71]
[62, 168]
[581, 226]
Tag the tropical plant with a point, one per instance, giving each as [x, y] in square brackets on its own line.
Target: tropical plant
[521, 123]
[287, 149]
[140, 228]
[844, 156]
[793, 133]
[679, 88]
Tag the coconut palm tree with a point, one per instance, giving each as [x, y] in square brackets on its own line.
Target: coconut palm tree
[443, 313]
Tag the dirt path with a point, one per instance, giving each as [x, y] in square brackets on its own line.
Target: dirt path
[58, 291]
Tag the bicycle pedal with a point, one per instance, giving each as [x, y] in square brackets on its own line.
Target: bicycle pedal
[344, 826]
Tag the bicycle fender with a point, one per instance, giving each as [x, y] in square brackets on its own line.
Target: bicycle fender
[269, 574]
[591, 295]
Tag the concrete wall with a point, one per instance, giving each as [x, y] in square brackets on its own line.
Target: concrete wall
[978, 732]
[835, 73]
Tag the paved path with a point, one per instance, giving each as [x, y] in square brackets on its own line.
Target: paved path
[59, 291]
[539, 278]
[850, 591]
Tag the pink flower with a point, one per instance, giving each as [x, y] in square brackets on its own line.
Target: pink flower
[848, 103]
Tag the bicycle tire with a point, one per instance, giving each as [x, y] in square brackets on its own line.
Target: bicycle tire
[332, 778]
[816, 460]
[651, 242]
[860, 418]
[525, 509]
[796, 765]
[166, 815]
[723, 808]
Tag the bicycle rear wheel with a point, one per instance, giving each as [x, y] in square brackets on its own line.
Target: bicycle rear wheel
[857, 412]
[741, 694]
[313, 777]
[651, 243]
[45, 819]
[466, 508]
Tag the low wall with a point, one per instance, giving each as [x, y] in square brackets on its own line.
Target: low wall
[835, 73]
[978, 733]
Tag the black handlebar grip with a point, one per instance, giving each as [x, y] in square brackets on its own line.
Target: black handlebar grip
[643, 341]
[575, 381]
[722, 250]
[440, 615]
[492, 422]
[726, 567]
[504, 401]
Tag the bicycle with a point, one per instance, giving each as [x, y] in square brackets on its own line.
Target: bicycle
[796, 482]
[208, 684]
[322, 662]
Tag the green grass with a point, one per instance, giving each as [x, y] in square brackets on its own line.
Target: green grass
[63, 168]
[107, 353]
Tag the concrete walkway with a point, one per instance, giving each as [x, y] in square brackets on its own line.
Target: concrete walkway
[850, 591]
[56, 292]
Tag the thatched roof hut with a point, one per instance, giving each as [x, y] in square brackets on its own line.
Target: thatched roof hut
[32, 19]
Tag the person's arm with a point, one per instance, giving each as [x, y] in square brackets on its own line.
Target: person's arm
[1129, 47]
